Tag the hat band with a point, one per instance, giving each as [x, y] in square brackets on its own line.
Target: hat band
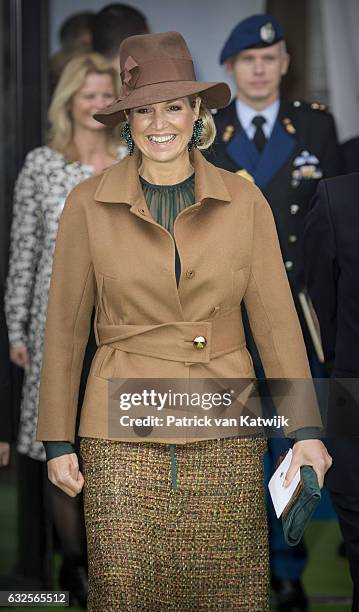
[155, 71]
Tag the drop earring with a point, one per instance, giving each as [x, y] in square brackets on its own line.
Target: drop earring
[126, 134]
[196, 134]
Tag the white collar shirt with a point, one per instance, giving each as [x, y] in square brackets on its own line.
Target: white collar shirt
[246, 114]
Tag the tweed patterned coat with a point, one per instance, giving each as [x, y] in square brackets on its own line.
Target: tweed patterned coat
[40, 193]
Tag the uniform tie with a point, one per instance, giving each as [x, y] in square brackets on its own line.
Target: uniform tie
[259, 138]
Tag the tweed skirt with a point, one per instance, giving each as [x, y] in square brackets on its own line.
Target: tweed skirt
[202, 545]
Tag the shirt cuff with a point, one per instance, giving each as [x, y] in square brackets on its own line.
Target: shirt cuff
[308, 433]
[54, 448]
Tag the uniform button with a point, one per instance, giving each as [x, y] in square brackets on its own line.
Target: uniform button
[289, 265]
[199, 342]
[292, 238]
[190, 273]
[294, 209]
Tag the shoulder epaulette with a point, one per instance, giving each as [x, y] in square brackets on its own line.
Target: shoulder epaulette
[316, 106]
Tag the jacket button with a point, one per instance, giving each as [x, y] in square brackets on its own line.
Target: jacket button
[289, 265]
[292, 238]
[199, 342]
[190, 273]
[294, 209]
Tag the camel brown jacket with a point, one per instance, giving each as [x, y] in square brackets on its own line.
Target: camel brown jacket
[111, 254]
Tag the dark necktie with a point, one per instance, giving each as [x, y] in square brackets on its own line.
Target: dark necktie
[259, 138]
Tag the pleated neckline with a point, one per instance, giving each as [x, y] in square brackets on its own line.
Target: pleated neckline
[165, 202]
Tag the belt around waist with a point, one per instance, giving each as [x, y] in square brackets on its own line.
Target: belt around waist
[187, 341]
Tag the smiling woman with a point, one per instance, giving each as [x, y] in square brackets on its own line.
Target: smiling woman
[88, 83]
[163, 132]
[96, 92]
[166, 246]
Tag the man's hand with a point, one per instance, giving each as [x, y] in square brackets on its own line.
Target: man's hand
[64, 473]
[309, 452]
[19, 355]
[4, 454]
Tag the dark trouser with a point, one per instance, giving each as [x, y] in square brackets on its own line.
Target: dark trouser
[343, 483]
[343, 477]
[347, 509]
[34, 524]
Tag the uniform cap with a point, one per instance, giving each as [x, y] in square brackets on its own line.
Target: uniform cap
[254, 32]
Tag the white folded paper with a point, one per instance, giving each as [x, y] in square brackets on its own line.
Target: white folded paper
[281, 495]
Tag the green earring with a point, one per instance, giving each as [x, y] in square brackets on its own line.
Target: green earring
[126, 134]
[196, 134]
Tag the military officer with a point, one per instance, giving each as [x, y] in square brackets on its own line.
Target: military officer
[285, 148]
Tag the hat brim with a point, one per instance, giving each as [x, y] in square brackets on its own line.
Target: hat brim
[214, 95]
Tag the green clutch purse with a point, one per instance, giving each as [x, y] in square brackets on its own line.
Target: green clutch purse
[305, 499]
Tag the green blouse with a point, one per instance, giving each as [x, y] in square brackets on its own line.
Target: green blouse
[165, 202]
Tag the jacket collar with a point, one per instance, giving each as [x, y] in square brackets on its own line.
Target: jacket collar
[286, 109]
[120, 183]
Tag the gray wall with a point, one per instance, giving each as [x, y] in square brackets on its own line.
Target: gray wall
[205, 24]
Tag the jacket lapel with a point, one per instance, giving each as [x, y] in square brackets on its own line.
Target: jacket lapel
[275, 153]
[240, 149]
[209, 183]
[120, 184]
[243, 153]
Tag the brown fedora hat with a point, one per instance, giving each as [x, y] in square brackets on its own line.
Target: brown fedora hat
[156, 68]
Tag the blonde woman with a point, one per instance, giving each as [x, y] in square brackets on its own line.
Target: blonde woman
[78, 147]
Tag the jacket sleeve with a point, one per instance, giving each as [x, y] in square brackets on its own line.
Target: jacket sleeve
[332, 161]
[71, 300]
[321, 267]
[7, 433]
[25, 249]
[274, 321]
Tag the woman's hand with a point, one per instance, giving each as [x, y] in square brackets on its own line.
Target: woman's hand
[4, 454]
[309, 452]
[19, 355]
[64, 473]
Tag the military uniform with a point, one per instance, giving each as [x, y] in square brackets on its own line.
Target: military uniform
[293, 147]
[302, 149]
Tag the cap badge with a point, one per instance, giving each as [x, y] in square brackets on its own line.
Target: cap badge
[267, 33]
